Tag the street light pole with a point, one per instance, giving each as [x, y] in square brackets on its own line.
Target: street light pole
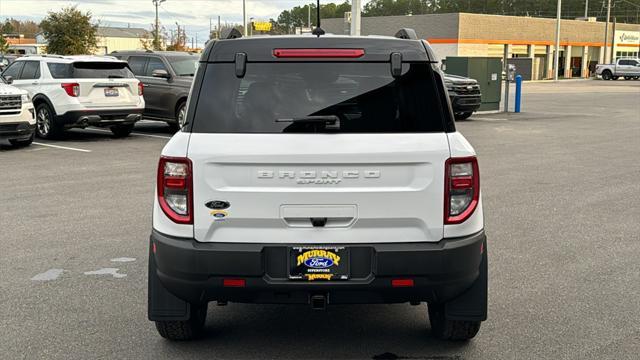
[606, 34]
[157, 37]
[244, 17]
[556, 58]
[586, 9]
[356, 10]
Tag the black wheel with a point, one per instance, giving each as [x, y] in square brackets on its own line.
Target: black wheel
[450, 329]
[606, 75]
[616, 77]
[184, 330]
[122, 130]
[463, 115]
[21, 143]
[46, 126]
[628, 77]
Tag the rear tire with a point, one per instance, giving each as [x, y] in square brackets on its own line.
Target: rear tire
[21, 143]
[184, 330]
[457, 330]
[628, 77]
[46, 125]
[121, 131]
[463, 115]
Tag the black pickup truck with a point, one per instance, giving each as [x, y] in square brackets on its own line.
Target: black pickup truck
[464, 94]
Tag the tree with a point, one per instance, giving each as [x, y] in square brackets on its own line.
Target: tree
[4, 45]
[27, 28]
[624, 11]
[299, 16]
[69, 32]
[148, 40]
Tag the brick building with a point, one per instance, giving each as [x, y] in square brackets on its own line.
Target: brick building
[462, 34]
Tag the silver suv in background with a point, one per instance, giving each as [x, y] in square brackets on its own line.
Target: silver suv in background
[167, 78]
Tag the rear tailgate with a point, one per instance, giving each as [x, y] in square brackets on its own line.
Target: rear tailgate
[388, 188]
[104, 93]
[355, 147]
[102, 84]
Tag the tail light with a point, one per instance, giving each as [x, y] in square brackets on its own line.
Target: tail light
[72, 89]
[175, 189]
[140, 89]
[461, 190]
[318, 53]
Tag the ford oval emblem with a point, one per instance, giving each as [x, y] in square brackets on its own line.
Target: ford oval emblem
[319, 262]
[217, 205]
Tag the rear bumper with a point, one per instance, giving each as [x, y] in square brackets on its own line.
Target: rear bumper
[194, 271]
[100, 117]
[466, 103]
[16, 130]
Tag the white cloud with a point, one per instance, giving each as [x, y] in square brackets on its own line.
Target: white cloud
[195, 14]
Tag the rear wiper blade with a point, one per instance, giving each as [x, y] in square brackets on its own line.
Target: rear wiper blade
[326, 119]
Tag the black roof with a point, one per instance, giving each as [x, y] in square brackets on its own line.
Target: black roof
[259, 49]
[148, 52]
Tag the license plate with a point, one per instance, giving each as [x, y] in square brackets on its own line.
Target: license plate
[318, 263]
[111, 92]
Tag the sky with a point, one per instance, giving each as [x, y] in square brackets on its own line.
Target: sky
[195, 14]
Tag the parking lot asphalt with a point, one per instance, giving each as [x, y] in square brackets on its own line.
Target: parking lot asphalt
[562, 209]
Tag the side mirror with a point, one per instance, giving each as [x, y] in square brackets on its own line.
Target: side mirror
[8, 79]
[160, 73]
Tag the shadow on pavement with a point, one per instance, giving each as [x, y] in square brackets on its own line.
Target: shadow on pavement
[381, 332]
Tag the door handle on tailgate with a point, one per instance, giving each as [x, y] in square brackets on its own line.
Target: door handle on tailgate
[327, 216]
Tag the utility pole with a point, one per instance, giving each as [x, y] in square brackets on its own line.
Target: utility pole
[218, 36]
[556, 57]
[210, 26]
[244, 17]
[356, 8]
[157, 37]
[606, 34]
[309, 16]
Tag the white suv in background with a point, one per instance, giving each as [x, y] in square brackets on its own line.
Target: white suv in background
[17, 120]
[79, 91]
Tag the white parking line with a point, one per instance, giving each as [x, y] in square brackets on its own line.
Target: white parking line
[62, 147]
[153, 136]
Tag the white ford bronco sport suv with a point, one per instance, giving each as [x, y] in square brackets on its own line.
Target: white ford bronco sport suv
[79, 91]
[318, 170]
[17, 121]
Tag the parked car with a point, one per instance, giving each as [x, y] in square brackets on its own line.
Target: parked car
[167, 77]
[79, 91]
[6, 60]
[464, 94]
[17, 117]
[318, 170]
[629, 68]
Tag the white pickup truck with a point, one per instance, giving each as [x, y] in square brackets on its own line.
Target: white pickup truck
[629, 68]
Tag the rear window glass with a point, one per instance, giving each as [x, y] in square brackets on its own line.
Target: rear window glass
[318, 97]
[90, 70]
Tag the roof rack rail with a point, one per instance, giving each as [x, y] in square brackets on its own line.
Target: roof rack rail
[232, 33]
[44, 55]
[407, 34]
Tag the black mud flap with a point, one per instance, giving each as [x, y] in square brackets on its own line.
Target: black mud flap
[163, 305]
[472, 304]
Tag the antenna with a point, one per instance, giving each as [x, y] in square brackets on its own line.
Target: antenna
[318, 30]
